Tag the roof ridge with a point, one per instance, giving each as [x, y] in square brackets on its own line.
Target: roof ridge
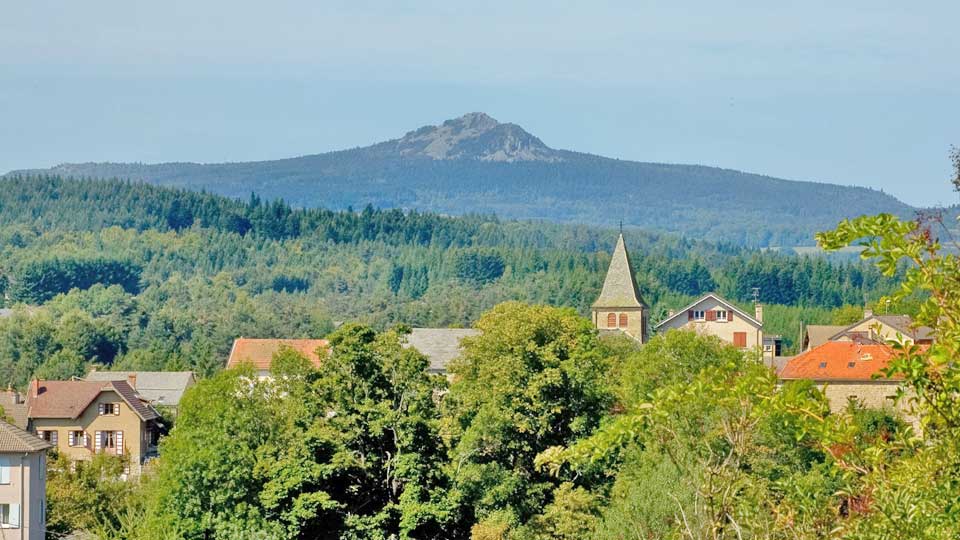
[28, 441]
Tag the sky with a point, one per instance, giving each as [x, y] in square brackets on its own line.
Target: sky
[857, 92]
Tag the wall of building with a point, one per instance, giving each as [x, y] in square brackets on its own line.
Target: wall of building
[723, 330]
[636, 320]
[871, 394]
[27, 488]
[135, 435]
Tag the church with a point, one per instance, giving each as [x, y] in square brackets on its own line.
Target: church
[620, 306]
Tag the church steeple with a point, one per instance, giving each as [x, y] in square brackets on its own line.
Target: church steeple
[620, 305]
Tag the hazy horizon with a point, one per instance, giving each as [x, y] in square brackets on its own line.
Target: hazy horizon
[859, 94]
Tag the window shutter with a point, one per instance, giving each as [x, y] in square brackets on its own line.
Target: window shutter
[729, 315]
[623, 320]
[611, 320]
[711, 315]
[100, 409]
[119, 441]
[4, 470]
[14, 515]
[690, 315]
[86, 440]
[53, 437]
[71, 439]
[116, 409]
[97, 441]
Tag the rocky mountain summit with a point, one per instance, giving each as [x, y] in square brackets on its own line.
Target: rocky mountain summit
[474, 136]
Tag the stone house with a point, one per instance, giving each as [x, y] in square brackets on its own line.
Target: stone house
[620, 307]
[847, 370]
[83, 418]
[23, 484]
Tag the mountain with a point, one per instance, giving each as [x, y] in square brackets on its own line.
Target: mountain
[475, 164]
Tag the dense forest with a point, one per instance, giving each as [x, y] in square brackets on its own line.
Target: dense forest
[137, 276]
[535, 182]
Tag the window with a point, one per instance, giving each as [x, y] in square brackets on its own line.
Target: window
[77, 438]
[48, 435]
[611, 320]
[9, 516]
[109, 409]
[722, 315]
[623, 320]
[5, 470]
[823, 365]
[109, 439]
[851, 364]
[699, 315]
[740, 339]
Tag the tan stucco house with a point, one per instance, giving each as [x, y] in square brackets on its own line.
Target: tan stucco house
[82, 418]
[885, 328]
[620, 308]
[713, 316]
[23, 491]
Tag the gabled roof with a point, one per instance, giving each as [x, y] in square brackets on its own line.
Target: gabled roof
[619, 287]
[840, 361]
[439, 345]
[900, 323]
[259, 352]
[159, 387]
[14, 439]
[69, 399]
[818, 334]
[719, 300]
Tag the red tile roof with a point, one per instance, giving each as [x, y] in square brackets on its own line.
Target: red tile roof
[68, 399]
[259, 352]
[840, 361]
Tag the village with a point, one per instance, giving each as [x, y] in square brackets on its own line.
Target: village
[123, 413]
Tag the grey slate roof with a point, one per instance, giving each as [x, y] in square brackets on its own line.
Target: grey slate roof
[818, 334]
[439, 345]
[157, 387]
[16, 411]
[14, 439]
[902, 323]
[620, 287]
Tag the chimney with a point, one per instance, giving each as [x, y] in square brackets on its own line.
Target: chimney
[867, 312]
[758, 311]
[132, 380]
[35, 388]
[671, 313]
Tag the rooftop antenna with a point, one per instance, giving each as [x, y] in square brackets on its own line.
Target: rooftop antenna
[621, 226]
[756, 295]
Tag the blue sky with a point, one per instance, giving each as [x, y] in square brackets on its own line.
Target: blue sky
[856, 92]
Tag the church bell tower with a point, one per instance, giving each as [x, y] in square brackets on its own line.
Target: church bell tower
[620, 306]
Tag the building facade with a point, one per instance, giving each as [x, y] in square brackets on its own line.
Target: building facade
[620, 307]
[713, 316]
[23, 492]
[83, 418]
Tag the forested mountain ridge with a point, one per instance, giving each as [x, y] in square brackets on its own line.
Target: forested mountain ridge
[475, 164]
[131, 275]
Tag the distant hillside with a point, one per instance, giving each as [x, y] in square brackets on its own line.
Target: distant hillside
[475, 164]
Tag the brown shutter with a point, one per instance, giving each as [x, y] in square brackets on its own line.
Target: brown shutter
[711, 315]
[623, 320]
[690, 315]
[729, 315]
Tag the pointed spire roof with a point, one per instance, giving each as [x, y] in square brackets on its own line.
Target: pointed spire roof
[619, 287]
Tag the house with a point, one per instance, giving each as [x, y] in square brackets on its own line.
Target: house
[714, 316]
[885, 328]
[160, 388]
[620, 307]
[260, 352]
[14, 407]
[23, 484]
[846, 370]
[82, 418]
[439, 345]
